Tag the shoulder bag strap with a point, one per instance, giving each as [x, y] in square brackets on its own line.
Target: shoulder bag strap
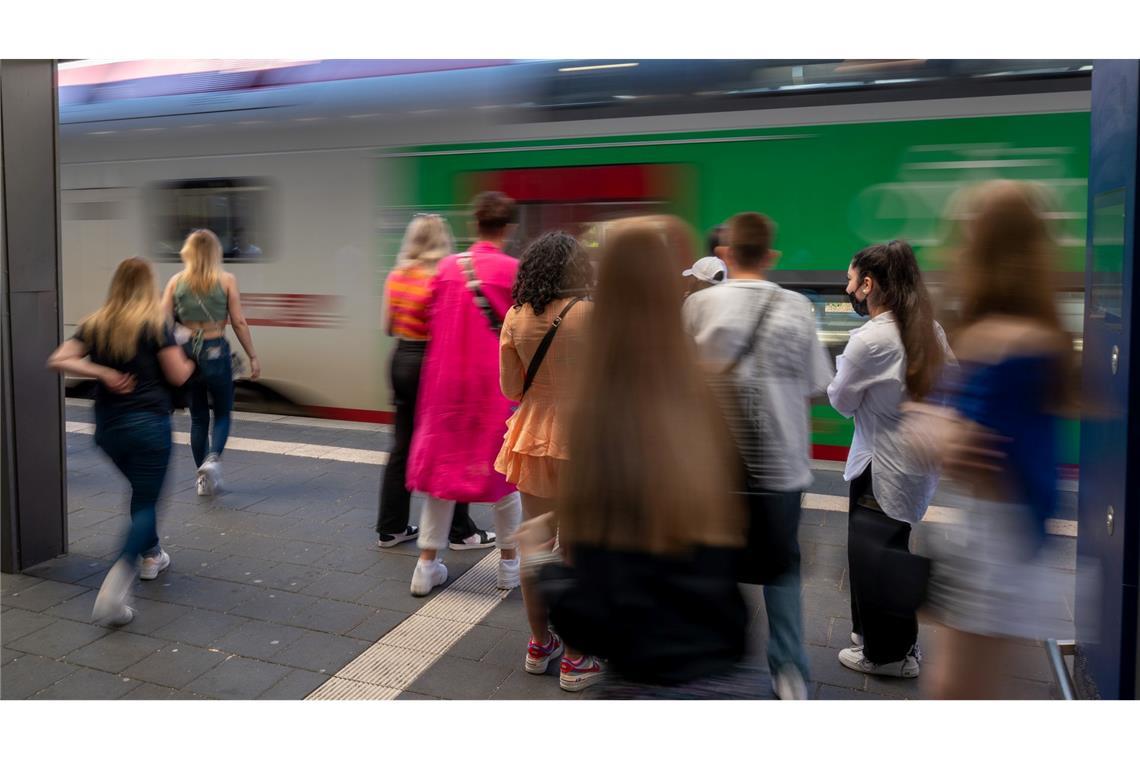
[540, 354]
[752, 336]
[481, 301]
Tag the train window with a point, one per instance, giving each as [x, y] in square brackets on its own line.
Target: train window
[236, 210]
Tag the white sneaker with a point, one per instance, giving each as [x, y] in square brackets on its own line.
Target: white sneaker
[204, 485]
[789, 685]
[150, 567]
[427, 576]
[480, 539]
[856, 639]
[854, 659]
[111, 604]
[508, 574]
[212, 469]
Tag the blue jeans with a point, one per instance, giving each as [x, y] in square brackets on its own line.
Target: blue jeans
[213, 387]
[783, 604]
[139, 445]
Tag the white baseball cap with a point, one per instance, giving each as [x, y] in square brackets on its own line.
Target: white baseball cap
[710, 269]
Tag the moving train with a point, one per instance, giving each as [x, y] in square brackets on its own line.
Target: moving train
[309, 171]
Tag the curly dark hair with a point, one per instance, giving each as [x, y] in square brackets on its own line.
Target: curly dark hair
[553, 266]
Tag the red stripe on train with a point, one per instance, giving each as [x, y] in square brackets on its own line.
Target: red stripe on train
[352, 415]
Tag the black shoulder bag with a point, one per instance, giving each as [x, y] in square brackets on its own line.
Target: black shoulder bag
[540, 353]
[481, 301]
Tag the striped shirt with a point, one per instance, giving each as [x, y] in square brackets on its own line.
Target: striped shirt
[408, 291]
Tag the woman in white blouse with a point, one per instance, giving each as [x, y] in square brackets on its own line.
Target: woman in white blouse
[895, 357]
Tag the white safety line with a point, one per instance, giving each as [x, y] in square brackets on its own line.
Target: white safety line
[818, 501]
[387, 668]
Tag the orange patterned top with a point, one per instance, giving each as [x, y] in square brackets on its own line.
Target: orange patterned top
[409, 290]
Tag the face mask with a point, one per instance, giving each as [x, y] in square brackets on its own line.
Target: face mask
[860, 307]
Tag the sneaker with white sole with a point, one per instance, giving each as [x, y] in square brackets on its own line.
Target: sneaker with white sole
[427, 576]
[789, 685]
[508, 574]
[575, 675]
[480, 539]
[150, 567]
[112, 603]
[212, 469]
[856, 639]
[854, 659]
[538, 656]
[204, 485]
[388, 540]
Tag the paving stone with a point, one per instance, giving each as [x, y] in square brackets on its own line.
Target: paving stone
[116, 651]
[302, 552]
[273, 605]
[175, 665]
[77, 608]
[258, 639]
[510, 650]
[476, 643]
[84, 518]
[59, 638]
[522, 685]
[11, 582]
[86, 683]
[236, 568]
[817, 630]
[895, 688]
[394, 595]
[412, 695]
[508, 614]
[238, 678]
[345, 587]
[151, 691]
[380, 622]
[825, 668]
[348, 560]
[7, 655]
[205, 539]
[824, 576]
[44, 594]
[69, 568]
[394, 566]
[321, 652]
[26, 675]
[331, 616]
[16, 623]
[99, 545]
[186, 560]
[827, 691]
[825, 602]
[298, 684]
[287, 576]
[200, 627]
[151, 615]
[824, 554]
[206, 593]
[456, 678]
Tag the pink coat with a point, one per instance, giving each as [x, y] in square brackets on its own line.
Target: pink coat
[461, 414]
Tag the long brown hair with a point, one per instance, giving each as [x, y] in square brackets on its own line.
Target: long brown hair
[650, 456]
[900, 288]
[132, 307]
[1005, 267]
[202, 253]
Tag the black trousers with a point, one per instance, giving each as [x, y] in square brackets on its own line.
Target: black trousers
[889, 630]
[395, 498]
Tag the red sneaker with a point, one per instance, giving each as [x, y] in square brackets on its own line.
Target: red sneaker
[538, 657]
[576, 675]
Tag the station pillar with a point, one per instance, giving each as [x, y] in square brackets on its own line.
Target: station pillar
[1108, 558]
[33, 469]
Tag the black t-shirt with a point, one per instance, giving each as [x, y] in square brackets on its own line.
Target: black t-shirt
[152, 391]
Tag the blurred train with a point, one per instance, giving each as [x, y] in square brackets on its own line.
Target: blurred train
[309, 171]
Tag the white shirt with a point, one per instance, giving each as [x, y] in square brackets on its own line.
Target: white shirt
[870, 385]
[788, 361]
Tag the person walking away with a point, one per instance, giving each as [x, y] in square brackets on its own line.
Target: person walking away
[704, 273]
[461, 413]
[785, 362]
[540, 352]
[129, 348]
[406, 297]
[203, 298]
[649, 526]
[895, 357]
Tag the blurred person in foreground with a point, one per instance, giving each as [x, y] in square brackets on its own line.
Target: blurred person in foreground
[765, 337]
[129, 348]
[461, 413]
[897, 356]
[203, 298]
[648, 523]
[992, 579]
[540, 352]
[407, 295]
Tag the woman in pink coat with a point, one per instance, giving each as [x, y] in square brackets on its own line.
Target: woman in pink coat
[461, 413]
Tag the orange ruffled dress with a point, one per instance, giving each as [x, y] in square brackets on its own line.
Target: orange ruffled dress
[536, 444]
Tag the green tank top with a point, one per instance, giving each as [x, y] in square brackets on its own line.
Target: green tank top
[190, 307]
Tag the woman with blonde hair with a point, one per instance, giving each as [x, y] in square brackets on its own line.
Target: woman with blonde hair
[647, 521]
[203, 297]
[407, 294]
[128, 347]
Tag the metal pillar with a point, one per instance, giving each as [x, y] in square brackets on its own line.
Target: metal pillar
[33, 465]
[1108, 560]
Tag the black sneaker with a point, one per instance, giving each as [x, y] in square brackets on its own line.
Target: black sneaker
[387, 540]
[480, 539]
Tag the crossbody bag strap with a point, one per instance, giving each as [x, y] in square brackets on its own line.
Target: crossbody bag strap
[752, 337]
[540, 353]
[468, 267]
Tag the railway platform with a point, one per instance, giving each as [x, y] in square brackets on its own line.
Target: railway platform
[277, 590]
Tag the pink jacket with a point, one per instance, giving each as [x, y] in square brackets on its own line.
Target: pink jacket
[461, 414]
